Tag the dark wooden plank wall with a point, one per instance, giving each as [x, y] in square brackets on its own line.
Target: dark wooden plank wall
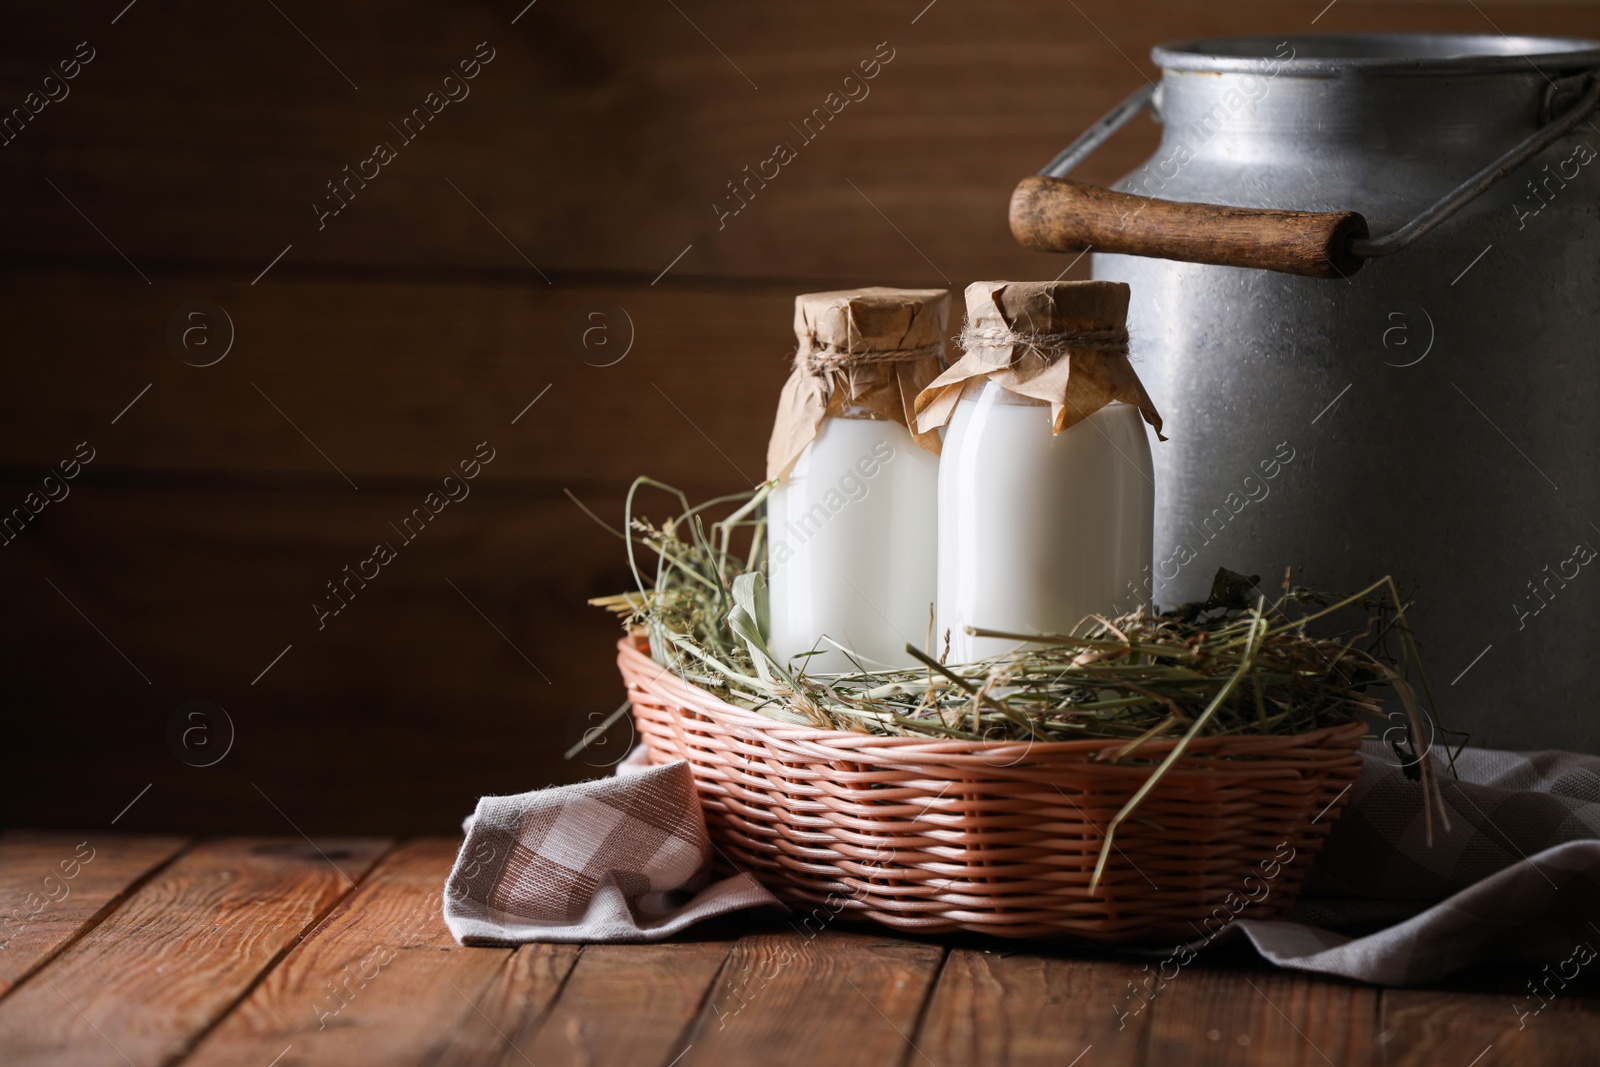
[381, 348]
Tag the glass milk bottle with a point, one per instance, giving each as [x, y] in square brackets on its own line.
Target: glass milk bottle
[852, 520]
[1046, 488]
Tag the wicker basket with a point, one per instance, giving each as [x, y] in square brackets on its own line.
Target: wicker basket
[999, 837]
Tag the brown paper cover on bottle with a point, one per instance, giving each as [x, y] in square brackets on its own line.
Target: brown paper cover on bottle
[873, 348]
[1063, 343]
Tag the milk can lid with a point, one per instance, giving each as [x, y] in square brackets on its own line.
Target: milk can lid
[1321, 55]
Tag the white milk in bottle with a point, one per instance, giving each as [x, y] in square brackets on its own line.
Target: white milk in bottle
[1046, 487]
[852, 522]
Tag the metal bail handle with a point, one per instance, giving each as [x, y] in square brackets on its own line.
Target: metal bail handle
[1053, 213]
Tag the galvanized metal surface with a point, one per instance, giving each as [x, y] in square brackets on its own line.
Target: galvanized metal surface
[1434, 416]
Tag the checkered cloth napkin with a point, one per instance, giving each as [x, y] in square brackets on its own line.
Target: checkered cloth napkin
[618, 859]
[1515, 879]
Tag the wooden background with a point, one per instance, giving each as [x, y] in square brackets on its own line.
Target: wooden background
[377, 352]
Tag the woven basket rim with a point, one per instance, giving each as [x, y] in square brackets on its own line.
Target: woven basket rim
[634, 648]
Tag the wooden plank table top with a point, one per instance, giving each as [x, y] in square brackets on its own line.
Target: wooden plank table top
[281, 952]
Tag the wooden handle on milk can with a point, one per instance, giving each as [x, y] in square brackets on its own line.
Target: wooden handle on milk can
[1062, 215]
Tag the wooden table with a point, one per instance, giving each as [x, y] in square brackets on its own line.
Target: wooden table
[277, 952]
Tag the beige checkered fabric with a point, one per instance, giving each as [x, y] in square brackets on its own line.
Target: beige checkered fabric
[619, 859]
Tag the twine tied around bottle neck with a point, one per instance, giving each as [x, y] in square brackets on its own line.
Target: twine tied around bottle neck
[1062, 343]
[1049, 347]
[871, 350]
[820, 357]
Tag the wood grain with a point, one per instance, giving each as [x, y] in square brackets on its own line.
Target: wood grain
[398, 714]
[830, 997]
[1422, 1026]
[388, 382]
[622, 1005]
[1216, 1015]
[586, 172]
[511, 1007]
[1062, 215]
[380, 981]
[145, 982]
[54, 886]
[602, 135]
[1021, 1008]
[248, 952]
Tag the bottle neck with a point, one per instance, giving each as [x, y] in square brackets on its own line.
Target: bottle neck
[992, 392]
[854, 411]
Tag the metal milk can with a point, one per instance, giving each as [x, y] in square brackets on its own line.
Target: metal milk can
[1366, 298]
